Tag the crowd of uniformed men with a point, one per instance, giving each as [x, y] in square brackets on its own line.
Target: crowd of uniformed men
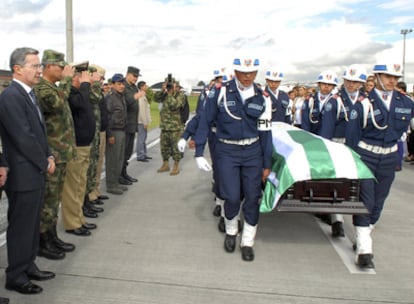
[58, 124]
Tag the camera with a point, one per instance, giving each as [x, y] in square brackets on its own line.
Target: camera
[170, 82]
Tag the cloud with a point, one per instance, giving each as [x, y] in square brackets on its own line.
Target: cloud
[192, 38]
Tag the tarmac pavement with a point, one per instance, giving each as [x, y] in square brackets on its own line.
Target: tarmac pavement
[159, 243]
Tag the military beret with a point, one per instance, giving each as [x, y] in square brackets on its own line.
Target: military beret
[53, 57]
[133, 70]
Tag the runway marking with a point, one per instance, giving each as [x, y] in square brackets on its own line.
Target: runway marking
[343, 247]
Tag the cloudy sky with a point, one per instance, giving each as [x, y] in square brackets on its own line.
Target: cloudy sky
[191, 38]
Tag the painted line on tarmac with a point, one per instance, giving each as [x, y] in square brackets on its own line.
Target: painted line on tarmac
[343, 247]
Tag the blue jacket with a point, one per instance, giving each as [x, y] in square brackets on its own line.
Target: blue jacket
[279, 106]
[368, 127]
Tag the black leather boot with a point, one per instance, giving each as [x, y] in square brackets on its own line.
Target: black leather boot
[63, 246]
[47, 248]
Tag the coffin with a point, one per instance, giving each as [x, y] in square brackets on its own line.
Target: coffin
[313, 175]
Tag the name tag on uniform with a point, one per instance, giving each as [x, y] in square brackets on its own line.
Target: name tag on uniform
[403, 110]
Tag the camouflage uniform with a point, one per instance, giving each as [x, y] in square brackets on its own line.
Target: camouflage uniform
[53, 101]
[95, 97]
[170, 125]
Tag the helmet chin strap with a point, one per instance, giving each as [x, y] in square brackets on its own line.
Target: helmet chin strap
[381, 83]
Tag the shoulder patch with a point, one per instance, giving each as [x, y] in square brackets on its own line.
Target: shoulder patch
[211, 93]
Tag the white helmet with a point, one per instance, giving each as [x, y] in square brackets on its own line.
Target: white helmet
[275, 75]
[394, 69]
[355, 72]
[328, 77]
[219, 72]
[246, 64]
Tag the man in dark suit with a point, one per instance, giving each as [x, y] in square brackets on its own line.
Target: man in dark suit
[26, 151]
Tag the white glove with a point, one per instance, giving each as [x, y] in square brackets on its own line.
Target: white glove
[203, 164]
[181, 145]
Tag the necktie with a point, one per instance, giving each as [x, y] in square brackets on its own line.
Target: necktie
[34, 100]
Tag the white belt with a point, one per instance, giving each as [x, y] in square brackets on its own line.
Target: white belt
[340, 140]
[377, 149]
[241, 142]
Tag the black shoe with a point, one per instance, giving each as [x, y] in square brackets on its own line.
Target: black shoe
[89, 226]
[103, 197]
[337, 229]
[4, 300]
[247, 253]
[148, 157]
[221, 225]
[229, 243]
[144, 160]
[95, 209]
[89, 213]
[40, 275]
[124, 181]
[365, 261]
[130, 178]
[79, 231]
[217, 210]
[63, 246]
[97, 202]
[25, 288]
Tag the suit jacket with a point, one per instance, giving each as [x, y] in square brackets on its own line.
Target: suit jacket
[24, 140]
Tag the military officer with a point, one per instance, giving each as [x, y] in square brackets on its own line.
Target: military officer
[132, 95]
[376, 124]
[243, 151]
[53, 100]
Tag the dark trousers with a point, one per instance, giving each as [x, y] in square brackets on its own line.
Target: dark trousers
[374, 192]
[129, 147]
[23, 233]
[240, 176]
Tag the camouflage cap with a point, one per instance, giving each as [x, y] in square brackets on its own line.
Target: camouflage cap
[53, 57]
[101, 71]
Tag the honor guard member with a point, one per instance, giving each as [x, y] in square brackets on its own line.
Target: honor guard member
[336, 116]
[243, 151]
[280, 100]
[190, 130]
[313, 105]
[376, 124]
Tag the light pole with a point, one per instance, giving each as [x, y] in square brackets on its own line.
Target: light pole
[404, 32]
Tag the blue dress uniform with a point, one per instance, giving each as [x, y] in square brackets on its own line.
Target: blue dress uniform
[280, 104]
[336, 115]
[373, 132]
[242, 151]
[311, 114]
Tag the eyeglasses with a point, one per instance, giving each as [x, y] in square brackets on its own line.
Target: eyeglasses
[34, 66]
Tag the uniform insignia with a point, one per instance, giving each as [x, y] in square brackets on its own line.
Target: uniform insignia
[328, 107]
[212, 93]
[354, 114]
